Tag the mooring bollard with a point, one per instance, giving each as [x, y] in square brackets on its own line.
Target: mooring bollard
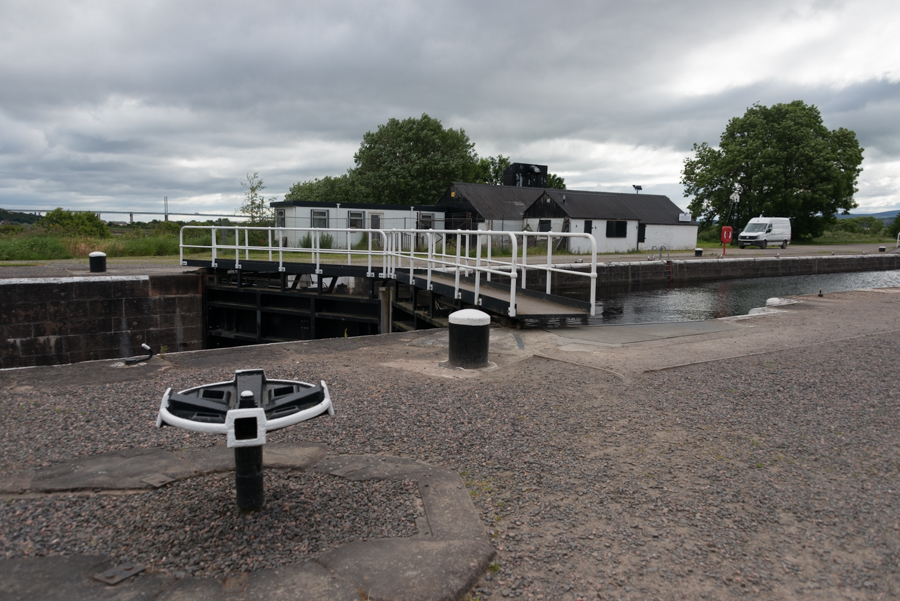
[97, 262]
[470, 334]
[244, 410]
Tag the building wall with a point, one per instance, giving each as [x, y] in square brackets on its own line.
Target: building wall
[604, 244]
[339, 218]
[673, 237]
[48, 321]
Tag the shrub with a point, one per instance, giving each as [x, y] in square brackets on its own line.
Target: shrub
[62, 222]
[166, 228]
[894, 227]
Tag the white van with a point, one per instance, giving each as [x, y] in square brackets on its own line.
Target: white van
[762, 231]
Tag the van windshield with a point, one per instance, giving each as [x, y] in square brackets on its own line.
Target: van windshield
[755, 227]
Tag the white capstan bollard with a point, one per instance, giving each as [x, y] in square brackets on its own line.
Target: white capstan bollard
[469, 338]
[244, 409]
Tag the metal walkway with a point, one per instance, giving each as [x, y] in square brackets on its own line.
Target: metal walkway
[485, 269]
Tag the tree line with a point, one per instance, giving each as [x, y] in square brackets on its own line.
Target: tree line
[406, 162]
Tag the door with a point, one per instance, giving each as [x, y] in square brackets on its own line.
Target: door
[642, 232]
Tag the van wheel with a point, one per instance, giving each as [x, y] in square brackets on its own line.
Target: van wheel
[741, 246]
[763, 244]
[784, 244]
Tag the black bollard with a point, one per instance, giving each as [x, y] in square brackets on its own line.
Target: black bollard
[97, 262]
[470, 332]
[248, 478]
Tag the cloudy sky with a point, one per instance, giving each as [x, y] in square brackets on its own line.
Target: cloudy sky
[115, 104]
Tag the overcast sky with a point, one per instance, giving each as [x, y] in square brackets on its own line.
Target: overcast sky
[115, 104]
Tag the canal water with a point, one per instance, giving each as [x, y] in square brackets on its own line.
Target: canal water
[723, 298]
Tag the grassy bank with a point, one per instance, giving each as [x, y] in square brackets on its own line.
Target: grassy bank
[38, 248]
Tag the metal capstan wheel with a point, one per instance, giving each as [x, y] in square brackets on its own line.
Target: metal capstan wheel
[244, 410]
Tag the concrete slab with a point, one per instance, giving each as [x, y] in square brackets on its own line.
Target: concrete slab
[627, 334]
[410, 569]
[71, 579]
[302, 582]
[112, 471]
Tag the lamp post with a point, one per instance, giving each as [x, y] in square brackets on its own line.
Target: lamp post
[637, 189]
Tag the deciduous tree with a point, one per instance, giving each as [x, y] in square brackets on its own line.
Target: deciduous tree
[783, 162]
[256, 206]
[413, 161]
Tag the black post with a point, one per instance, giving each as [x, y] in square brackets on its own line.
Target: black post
[470, 331]
[248, 478]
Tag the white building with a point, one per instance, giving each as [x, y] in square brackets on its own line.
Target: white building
[619, 222]
[350, 216]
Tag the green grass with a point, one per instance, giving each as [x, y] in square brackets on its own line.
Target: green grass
[839, 237]
[26, 247]
[33, 248]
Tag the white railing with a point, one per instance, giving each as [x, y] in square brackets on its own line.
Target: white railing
[460, 253]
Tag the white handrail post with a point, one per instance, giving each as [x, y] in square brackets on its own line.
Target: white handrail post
[181, 246]
[489, 246]
[213, 243]
[593, 274]
[524, 257]
[246, 244]
[280, 250]
[478, 269]
[458, 266]
[467, 255]
[317, 257]
[549, 259]
[430, 260]
[412, 258]
[237, 248]
[512, 277]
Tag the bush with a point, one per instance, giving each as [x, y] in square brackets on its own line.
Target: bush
[166, 228]
[33, 248]
[10, 229]
[894, 227]
[62, 222]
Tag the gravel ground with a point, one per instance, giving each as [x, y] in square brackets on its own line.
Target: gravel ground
[193, 528]
[768, 476]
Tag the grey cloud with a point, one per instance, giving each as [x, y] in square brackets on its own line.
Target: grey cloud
[121, 103]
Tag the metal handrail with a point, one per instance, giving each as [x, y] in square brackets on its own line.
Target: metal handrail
[315, 250]
[400, 252]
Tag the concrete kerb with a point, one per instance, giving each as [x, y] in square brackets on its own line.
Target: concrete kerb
[442, 562]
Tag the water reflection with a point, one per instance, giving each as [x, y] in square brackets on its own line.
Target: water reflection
[649, 304]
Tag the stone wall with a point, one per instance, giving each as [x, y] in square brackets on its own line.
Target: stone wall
[48, 321]
[627, 273]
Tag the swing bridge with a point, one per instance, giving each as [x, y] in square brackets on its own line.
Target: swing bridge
[277, 284]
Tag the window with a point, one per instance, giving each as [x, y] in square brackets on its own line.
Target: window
[356, 219]
[375, 221]
[426, 221]
[544, 225]
[616, 229]
[319, 218]
[279, 218]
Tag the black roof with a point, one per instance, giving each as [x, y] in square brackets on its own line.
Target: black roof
[511, 202]
[491, 202]
[653, 209]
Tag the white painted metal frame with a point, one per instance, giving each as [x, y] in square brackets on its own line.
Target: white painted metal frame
[165, 417]
[399, 252]
[315, 250]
